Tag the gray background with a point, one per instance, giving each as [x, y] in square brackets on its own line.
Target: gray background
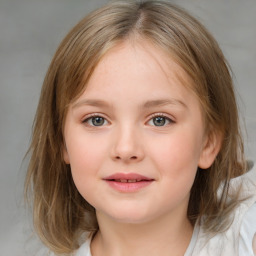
[30, 31]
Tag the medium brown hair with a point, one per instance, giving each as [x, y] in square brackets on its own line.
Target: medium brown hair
[60, 212]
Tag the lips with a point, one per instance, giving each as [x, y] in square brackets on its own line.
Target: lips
[128, 182]
[127, 177]
[125, 180]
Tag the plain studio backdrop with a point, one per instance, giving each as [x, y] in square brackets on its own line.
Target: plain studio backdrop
[31, 30]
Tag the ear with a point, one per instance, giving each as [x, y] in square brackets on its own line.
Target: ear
[210, 150]
[65, 154]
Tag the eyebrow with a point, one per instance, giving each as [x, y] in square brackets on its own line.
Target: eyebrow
[163, 102]
[147, 104]
[91, 102]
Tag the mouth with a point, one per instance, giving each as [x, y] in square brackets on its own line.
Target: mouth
[131, 182]
[127, 178]
[127, 181]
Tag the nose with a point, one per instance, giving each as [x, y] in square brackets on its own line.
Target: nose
[127, 145]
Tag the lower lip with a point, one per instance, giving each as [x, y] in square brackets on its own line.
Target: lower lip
[128, 186]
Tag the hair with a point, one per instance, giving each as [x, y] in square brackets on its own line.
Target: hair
[60, 213]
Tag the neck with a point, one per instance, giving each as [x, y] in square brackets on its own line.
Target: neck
[154, 238]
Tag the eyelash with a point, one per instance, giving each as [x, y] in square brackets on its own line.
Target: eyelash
[166, 117]
[90, 117]
[95, 115]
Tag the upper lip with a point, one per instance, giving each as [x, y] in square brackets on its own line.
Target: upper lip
[127, 176]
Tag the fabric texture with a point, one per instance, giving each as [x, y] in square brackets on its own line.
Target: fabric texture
[237, 240]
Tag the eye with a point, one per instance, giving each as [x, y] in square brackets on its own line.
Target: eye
[160, 120]
[95, 121]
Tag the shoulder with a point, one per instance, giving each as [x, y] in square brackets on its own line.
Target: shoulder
[84, 249]
[237, 240]
[247, 231]
[247, 234]
[246, 182]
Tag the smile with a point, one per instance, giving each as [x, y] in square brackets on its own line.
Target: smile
[128, 183]
[125, 181]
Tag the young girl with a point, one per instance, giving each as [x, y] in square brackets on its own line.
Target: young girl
[136, 147]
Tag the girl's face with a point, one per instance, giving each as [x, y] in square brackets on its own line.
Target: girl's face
[135, 137]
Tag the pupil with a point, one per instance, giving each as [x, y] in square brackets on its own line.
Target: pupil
[97, 121]
[159, 121]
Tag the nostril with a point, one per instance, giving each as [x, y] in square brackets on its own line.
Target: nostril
[131, 158]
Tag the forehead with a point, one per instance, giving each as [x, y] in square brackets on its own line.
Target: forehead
[137, 62]
[132, 76]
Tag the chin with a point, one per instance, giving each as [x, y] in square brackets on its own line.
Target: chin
[131, 217]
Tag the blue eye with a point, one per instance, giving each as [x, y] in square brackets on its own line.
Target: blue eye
[95, 121]
[160, 121]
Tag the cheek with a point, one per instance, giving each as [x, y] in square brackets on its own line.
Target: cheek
[85, 162]
[84, 150]
[178, 153]
[175, 158]
[85, 157]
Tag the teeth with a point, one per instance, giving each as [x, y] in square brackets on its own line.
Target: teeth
[132, 181]
[127, 181]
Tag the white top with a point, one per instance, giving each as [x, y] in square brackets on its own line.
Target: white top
[236, 240]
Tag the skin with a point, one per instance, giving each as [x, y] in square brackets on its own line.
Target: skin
[125, 90]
